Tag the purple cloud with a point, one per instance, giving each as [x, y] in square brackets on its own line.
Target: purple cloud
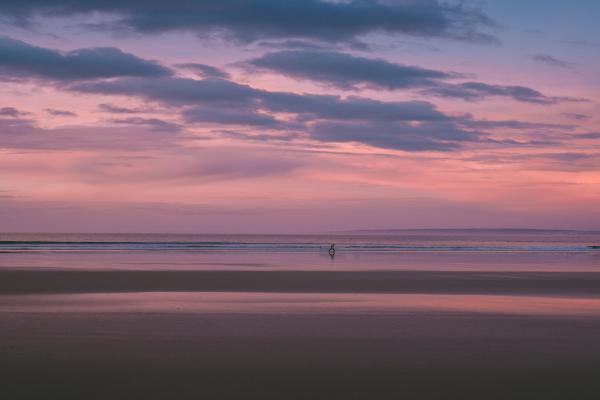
[252, 20]
[475, 91]
[346, 71]
[205, 71]
[553, 62]
[60, 113]
[22, 60]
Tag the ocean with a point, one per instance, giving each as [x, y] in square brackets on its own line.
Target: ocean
[430, 240]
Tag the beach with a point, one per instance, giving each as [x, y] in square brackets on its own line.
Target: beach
[458, 282]
[302, 355]
[263, 323]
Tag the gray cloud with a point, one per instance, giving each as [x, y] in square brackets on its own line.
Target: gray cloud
[553, 62]
[26, 135]
[520, 143]
[346, 71]
[325, 118]
[589, 135]
[576, 116]
[13, 126]
[114, 109]
[568, 157]
[205, 71]
[260, 137]
[218, 115]
[561, 161]
[60, 113]
[510, 124]
[557, 161]
[22, 60]
[394, 135]
[215, 92]
[474, 91]
[174, 91]
[10, 112]
[350, 108]
[248, 21]
[153, 124]
[582, 43]
[407, 125]
[299, 44]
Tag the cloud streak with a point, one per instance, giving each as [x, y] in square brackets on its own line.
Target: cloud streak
[553, 62]
[205, 71]
[324, 118]
[228, 103]
[476, 91]
[394, 135]
[22, 60]
[115, 109]
[24, 134]
[10, 112]
[349, 72]
[60, 113]
[245, 117]
[216, 92]
[403, 125]
[154, 124]
[346, 71]
[252, 20]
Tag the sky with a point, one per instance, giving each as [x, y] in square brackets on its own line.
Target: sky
[270, 116]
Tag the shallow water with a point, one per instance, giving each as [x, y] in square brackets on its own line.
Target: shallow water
[397, 241]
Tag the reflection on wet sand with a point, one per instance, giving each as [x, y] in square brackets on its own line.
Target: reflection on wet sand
[297, 303]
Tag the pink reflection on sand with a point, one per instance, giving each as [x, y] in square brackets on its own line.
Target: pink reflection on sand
[297, 303]
[302, 261]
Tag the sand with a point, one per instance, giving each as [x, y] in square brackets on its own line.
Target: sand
[463, 282]
[411, 355]
[299, 334]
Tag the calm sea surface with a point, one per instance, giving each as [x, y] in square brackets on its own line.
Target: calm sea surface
[408, 240]
[502, 250]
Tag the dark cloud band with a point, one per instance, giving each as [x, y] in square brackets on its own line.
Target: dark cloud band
[320, 117]
[475, 91]
[205, 71]
[251, 20]
[22, 60]
[346, 71]
[216, 92]
[349, 72]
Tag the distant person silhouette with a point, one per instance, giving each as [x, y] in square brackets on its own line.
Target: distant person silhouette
[332, 250]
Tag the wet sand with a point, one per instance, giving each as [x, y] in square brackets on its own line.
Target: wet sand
[411, 355]
[464, 282]
[301, 334]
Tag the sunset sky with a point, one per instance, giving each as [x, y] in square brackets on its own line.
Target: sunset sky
[227, 116]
